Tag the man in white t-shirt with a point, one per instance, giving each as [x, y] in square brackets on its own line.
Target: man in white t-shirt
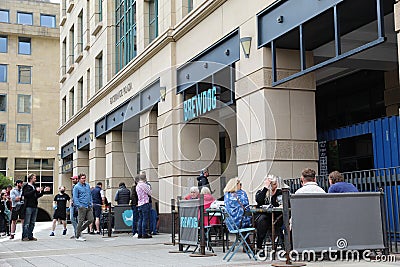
[309, 183]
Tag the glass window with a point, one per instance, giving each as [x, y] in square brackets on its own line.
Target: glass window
[153, 19]
[23, 133]
[48, 21]
[4, 16]
[3, 73]
[3, 166]
[190, 5]
[3, 102]
[43, 168]
[100, 10]
[24, 104]
[24, 18]
[3, 44]
[24, 74]
[24, 45]
[2, 132]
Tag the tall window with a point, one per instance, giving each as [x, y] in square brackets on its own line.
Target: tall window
[99, 71]
[153, 20]
[4, 16]
[87, 85]
[48, 21]
[64, 110]
[2, 132]
[3, 44]
[3, 73]
[100, 10]
[43, 168]
[24, 104]
[64, 57]
[80, 32]
[71, 103]
[80, 94]
[126, 32]
[71, 45]
[24, 18]
[3, 166]
[3, 102]
[24, 74]
[23, 133]
[190, 5]
[24, 46]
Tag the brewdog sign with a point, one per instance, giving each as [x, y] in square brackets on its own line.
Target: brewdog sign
[200, 104]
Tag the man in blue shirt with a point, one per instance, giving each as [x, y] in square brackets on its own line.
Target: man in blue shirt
[83, 200]
[338, 185]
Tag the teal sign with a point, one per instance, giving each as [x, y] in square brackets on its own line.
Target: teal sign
[127, 216]
[200, 104]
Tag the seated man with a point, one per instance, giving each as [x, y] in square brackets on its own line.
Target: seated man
[267, 196]
[338, 185]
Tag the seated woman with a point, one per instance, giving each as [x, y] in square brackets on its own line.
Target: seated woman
[236, 203]
[194, 193]
[208, 199]
[267, 196]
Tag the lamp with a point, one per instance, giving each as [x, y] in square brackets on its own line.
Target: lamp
[59, 157]
[163, 93]
[74, 148]
[91, 136]
[246, 44]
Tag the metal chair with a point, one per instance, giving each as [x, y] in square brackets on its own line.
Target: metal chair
[241, 234]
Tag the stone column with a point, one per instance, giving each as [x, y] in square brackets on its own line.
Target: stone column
[97, 162]
[276, 126]
[116, 169]
[81, 163]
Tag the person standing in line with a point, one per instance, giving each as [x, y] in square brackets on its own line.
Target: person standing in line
[203, 179]
[4, 214]
[98, 201]
[123, 195]
[73, 211]
[31, 195]
[134, 206]
[60, 210]
[18, 209]
[144, 192]
[83, 200]
[310, 185]
[338, 185]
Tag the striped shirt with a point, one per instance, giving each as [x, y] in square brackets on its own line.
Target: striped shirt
[143, 191]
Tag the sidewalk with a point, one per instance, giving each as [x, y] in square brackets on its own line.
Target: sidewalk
[119, 250]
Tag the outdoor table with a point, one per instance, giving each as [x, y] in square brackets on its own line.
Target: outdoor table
[217, 213]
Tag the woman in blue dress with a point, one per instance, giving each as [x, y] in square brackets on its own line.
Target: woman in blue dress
[236, 202]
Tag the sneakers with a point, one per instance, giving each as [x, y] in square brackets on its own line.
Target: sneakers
[64, 231]
[32, 239]
[98, 233]
[52, 234]
[80, 239]
[139, 236]
[146, 236]
[25, 239]
[92, 233]
[11, 236]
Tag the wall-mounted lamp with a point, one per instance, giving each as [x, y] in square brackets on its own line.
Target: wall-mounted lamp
[163, 93]
[246, 44]
[91, 136]
[74, 148]
[59, 157]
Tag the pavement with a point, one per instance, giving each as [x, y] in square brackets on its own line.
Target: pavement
[121, 250]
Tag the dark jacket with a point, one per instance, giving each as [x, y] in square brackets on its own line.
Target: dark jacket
[123, 195]
[203, 181]
[134, 196]
[30, 195]
[261, 197]
[96, 195]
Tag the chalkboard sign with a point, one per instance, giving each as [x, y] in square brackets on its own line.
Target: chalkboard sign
[189, 222]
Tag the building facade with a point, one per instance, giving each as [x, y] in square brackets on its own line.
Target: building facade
[171, 87]
[29, 70]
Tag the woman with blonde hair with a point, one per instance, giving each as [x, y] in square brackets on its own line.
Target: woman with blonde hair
[236, 202]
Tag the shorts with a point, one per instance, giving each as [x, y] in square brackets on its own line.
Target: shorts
[20, 213]
[59, 214]
[97, 211]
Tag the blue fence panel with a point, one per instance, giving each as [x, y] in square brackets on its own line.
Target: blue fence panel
[394, 147]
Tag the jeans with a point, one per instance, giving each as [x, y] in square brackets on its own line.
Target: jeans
[29, 222]
[144, 215]
[135, 214]
[74, 220]
[85, 218]
[153, 221]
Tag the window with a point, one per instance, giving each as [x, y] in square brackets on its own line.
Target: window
[64, 57]
[24, 104]
[3, 44]
[48, 21]
[24, 18]
[3, 73]
[71, 46]
[3, 102]
[99, 71]
[3, 166]
[71, 103]
[23, 133]
[100, 10]
[24, 45]
[24, 74]
[2, 132]
[4, 16]
[87, 85]
[80, 32]
[190, 5]
[42, 168]
[153, 20]
[80, 94]
[126, 32]
[64, 110]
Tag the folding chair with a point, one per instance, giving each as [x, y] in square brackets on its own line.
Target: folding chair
[241, 235]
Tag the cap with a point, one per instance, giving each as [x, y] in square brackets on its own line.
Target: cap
[74, 177]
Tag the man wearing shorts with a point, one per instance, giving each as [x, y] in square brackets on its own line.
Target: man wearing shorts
[60, 210]
[18, 210]
[98, 201]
